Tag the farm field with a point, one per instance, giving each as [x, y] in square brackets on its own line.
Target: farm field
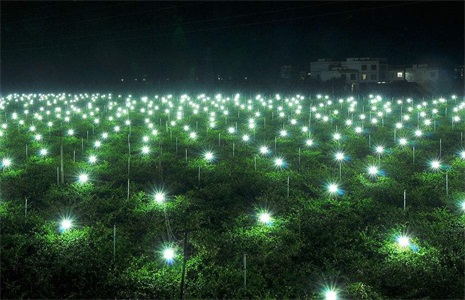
[231, 196]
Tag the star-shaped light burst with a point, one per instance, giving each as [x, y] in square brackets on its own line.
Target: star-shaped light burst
[264, 150]
[208, 156]
[43, 152]
[309, 142]
[264, 217]
[83, 178]
[145, 149]
[339, 156]
[403, 241]
[435, 164]
[6, 162]
[333, 188]
[373, 170]
[337, 136]
[278, 162]
[330, 294]
[169, 254]
[379, 149]
[66, 224]
[403, 141]
[462, 154]
[92, 159]
[159, 197]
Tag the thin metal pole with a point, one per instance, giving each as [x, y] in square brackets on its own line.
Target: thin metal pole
[114, 241]
[245, 270]
[405, 198]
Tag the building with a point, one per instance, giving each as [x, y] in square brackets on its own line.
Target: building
[351, 70]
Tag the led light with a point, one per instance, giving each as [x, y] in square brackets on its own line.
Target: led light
[169, 254]
[160, 197]
[435, 164]
[373, 170]
[83, 178]
[339, 156]
[92, 159]
[379, 149]
[43, 152]
[278, 162]
[309, 142]
[264, 218]
[66, 224]
[462, 154]
[264, 150]
[209, 156]
[333, 188]
[6, 162]
[403, 141]
[145, 149]
[330, 295]
[403, 241]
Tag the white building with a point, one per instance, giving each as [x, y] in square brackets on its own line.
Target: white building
[352, 70]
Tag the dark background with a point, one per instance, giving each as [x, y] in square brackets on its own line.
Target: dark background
[82, 45]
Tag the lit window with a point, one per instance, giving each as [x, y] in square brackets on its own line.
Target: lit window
[399, 74]
[364, 76]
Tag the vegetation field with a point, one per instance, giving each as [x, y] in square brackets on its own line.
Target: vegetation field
[231, 196]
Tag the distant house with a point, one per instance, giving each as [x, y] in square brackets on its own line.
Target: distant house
[352, 70]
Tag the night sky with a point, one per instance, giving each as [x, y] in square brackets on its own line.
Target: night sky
[62, 44]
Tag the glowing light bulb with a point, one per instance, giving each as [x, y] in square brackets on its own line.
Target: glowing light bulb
[403, 241]
[66, 224]
[209, 156]
[43, 152]
[83, 178]
[379, 149]
[339, 156]
[169, 254]
[92, 159]
[264, 150]
[279, 162]
[373, 170]
[264, 218]
[462, 154]
[309, 142]
[145, 149]
[331, 295]
[435, 164]
[6, 162]
[333, 188]
[160, 197]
